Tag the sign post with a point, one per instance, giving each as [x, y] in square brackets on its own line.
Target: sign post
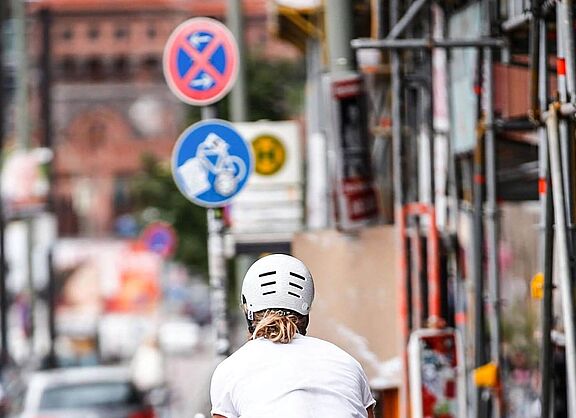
[211, 162]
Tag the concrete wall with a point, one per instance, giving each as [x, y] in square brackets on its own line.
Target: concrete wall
[356, 305]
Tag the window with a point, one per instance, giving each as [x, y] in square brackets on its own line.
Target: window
[121, 32]
[67, 34]
[120, 66]
[93, 32]
[68, 67]
[95, 68]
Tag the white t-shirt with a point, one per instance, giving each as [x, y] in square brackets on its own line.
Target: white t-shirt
[306, 378]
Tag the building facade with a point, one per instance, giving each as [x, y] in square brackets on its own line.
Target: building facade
[109, 102]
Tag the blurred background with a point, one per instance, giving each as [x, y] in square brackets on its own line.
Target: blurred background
[399, 150]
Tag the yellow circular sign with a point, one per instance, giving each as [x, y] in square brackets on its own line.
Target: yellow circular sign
[269, 154]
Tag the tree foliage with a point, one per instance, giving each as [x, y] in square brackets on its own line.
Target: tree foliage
[275, 92]
[156, 197]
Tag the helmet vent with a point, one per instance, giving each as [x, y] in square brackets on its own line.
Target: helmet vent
[294, 294]
[267, 284]
[268, 293]
[269, 273]
[297, 276]
[294, 285]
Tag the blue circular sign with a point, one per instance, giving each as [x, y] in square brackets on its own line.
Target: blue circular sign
[160, 238]
[211, 163]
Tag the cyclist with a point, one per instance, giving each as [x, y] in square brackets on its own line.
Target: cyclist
[280, 372]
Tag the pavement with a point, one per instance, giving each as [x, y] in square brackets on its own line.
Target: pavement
[189, 374]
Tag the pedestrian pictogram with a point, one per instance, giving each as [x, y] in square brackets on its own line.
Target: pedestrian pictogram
[211, 163]
[201, 61]
[269, 154]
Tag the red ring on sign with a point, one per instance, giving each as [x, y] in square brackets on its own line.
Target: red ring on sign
[178, 40]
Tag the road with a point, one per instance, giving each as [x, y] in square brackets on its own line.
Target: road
[189, 376]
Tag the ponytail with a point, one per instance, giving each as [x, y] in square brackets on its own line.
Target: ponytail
[278, 326]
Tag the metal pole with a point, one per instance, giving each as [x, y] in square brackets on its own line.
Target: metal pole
[4, 354]
[564, 129]
[491, 212]
[399, 215]
[427, 43]
[238, 101]
[339, 34]
[546, 231]
[412, 11]
[535, 46]
[477, 246]
[23, 139]
[564, 275]
[566, 31]
[217, 269]
[46, 116]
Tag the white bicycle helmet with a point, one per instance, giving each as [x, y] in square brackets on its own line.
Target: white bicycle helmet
[278, 281]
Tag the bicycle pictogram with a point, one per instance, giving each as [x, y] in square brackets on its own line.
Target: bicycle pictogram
[211, 163]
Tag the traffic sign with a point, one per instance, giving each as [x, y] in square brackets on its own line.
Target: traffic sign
[269, 154]
[160, 238]
[211, 163]
[200, 61]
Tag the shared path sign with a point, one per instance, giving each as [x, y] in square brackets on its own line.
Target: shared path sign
[211, 163]
[200, 61]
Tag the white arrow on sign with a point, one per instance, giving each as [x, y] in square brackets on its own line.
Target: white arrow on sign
[196, 39]
[205, 81]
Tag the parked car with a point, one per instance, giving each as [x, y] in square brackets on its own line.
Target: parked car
[83, 392]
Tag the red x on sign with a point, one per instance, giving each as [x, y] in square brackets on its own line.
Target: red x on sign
[201, 61]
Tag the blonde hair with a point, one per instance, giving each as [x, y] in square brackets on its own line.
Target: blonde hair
[278, 326]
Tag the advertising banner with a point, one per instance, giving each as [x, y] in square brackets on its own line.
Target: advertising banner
[355, 198]
[437, 381]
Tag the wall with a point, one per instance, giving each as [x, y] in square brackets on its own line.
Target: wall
[356, 305]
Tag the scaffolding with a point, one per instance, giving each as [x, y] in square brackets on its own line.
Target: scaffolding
[417, 31]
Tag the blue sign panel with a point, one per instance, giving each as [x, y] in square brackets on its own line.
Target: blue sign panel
[211, 163]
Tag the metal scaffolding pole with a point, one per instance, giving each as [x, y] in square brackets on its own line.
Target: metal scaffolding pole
[478, 273]
[4, 354]
[401, 25]
[564, 128]
[427, 43]
[399, 216]
[491, 213]
[564, 274]
[546, 229]
[566, 32]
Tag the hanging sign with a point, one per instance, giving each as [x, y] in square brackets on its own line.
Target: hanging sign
[356, 203]
[201, 61]
[211, 163]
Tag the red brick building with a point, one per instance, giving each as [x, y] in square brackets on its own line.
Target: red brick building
[110, 103]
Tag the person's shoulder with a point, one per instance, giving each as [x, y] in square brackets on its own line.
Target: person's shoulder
[327, 347]
[237, 358]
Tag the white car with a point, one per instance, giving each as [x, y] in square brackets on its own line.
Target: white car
[83, 392]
